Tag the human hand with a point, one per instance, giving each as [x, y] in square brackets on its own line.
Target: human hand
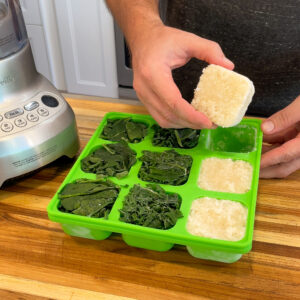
[154, 54]
[282, 132]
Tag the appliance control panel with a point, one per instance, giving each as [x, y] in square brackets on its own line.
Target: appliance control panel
[29, 113]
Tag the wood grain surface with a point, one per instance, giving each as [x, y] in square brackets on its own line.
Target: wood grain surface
[39, 261]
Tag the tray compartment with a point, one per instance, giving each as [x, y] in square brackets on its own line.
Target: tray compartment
[207, 253]
[118, 129]
[238, 139]
[158, 162]
[219, 219]
[175, 138]
[85, 232]
[145, 243]
[232, 180]
[105, 166]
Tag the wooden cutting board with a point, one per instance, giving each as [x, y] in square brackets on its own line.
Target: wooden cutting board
[39, 261]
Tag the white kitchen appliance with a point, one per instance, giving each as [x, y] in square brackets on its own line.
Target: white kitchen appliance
[37, 125]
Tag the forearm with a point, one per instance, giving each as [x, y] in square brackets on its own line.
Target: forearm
[135, 17]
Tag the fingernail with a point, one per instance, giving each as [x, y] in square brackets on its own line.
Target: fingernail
[267, 126]
[227, 61]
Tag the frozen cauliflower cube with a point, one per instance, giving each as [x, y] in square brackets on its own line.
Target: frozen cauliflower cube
[225, 175]
[217, 219]
[223, 95]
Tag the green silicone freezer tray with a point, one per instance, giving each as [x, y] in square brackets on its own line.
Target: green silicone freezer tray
[220, 143]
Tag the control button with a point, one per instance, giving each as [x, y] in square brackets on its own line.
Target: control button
[31, 105]
[50, 101]
[7, 126]
[20, 122]
[1, 118]
[14, 113]
[32, 117]
[43, 112]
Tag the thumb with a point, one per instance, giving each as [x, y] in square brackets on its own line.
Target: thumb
[208, 51]
[282, 119]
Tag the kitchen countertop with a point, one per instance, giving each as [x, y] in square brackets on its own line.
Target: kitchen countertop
[39, 261]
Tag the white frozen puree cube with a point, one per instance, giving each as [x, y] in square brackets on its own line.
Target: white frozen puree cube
[223, 95]
[217, 219]
[225, 175]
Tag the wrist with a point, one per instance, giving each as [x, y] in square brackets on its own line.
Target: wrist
[143, 32]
